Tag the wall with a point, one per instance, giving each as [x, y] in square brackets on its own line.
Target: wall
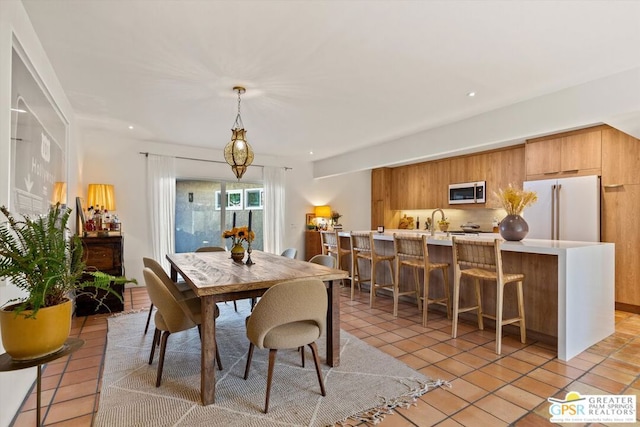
[15, 29]
[115, 159]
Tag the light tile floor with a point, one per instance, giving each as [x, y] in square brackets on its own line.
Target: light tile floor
[486, 389]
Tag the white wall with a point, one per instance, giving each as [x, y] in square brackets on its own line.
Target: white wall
[15, 29]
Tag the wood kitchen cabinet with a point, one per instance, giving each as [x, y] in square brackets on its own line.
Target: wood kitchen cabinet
[575, 153]
[104, 254]
[312, 244]
[503, 167]
[620, 158]
[469, 168]
[420, 186]
[381, 191]
[620, 226]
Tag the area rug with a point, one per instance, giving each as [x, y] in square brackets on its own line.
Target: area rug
[367, 385]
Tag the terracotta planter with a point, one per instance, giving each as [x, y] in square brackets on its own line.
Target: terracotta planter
[25, 338]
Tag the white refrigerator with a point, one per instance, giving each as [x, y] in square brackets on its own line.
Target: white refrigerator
[567, 209]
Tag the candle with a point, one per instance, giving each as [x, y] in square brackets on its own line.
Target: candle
[234, 221]
[250, 214]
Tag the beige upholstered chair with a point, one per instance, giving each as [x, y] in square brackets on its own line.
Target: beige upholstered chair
[183, 288]
[331, 246]
[363, 249]
[172, 315]
[483, 261]
[290, 253]
[412, 252]
[326, 260]
[289, 315]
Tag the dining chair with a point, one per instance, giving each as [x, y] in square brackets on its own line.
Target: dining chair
[172, 316]
[182, 286]
[482, 260]
[412, 252]
[326, 260]
[290, 314]
[290, 253]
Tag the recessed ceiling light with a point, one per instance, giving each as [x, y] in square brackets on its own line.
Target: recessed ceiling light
[130, 127]
[311, 153]
[471, 94]
[18, 110]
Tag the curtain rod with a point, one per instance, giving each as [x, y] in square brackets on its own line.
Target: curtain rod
[146, 153]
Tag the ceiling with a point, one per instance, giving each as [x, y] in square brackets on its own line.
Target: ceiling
[322, 76]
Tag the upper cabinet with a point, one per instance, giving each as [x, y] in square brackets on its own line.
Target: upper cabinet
[381, 190]
[620, 158]
[571, 154]
[503, 168]
[420, 186]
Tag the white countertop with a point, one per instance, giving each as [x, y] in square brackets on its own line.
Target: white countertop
[537, 246]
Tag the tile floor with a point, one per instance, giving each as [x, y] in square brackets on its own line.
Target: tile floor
[486, 389]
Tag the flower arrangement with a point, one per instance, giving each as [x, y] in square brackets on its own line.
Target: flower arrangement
[514, 200]
[335, 216]
[239, 235]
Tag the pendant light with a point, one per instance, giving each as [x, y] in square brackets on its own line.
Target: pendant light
[238, 152]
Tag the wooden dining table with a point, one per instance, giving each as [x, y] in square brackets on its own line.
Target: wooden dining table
[214, 277]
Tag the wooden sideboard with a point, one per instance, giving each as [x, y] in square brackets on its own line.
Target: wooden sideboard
[104, 254]
[312, 244]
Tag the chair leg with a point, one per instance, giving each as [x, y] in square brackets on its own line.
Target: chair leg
[396, 291]
[425, 299]
[479, 299]
[156, 338]
[355, 277]
[301, 350]
[499, 304]
[523, 329]
[249, 356]
[445, 278]
[316, 360]
[218, 358]
[146, 328]
[235, 306]
[163, 348]
[372, 290]
[456, 304]
[272, 362]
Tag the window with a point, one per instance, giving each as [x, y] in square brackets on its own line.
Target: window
[200, 213]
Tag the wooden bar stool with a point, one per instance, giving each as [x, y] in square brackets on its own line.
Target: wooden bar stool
[412, 252]
[483, 261]
[363, 248]
[331, 246]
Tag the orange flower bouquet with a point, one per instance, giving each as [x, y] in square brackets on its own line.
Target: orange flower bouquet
[239, 235]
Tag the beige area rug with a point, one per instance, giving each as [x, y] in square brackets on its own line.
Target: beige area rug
[367, 385]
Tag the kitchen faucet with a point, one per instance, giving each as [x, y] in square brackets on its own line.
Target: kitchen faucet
[433, 223]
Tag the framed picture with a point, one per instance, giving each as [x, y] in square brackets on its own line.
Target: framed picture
[310, 218]
[253, 198]
[233, 202]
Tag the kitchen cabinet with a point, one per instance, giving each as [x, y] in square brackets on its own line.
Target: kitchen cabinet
[502, 168]
[620, 158]
[620, 226]
[312, 244]
[103, 254]
[420, 186]
[575, 153]
[381, 190]
[469, 168]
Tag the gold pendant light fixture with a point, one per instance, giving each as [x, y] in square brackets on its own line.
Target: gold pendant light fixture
[238, 152]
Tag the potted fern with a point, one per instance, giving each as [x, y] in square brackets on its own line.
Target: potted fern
[39, 258]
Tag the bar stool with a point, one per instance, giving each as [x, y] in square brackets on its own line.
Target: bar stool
[331, 246]
[412, 252]
[363, 248]
[484, 261]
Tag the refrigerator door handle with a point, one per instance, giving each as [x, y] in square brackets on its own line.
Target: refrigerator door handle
[553, 211]
[558, 187]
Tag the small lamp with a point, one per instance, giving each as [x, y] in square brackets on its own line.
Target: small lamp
[101, 196]
[323, 211]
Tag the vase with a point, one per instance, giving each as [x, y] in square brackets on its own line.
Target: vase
[513, 228]
[237, 252]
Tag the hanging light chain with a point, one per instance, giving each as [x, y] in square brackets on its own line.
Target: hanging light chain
[238, 123]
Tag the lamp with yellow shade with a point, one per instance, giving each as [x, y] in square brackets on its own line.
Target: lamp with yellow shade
[322, 214]
[101, 196]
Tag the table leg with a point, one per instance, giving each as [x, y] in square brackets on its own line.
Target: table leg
[208, 357]
[333, 324]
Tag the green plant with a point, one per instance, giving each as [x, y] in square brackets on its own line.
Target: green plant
[37, 256]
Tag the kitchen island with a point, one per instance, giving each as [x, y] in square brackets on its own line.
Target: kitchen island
[569, 286]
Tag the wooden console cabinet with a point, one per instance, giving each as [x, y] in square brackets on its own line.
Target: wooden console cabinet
[312, 244]
[104, 254]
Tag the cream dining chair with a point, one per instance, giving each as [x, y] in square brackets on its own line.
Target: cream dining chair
[326, 260]
[290, 314]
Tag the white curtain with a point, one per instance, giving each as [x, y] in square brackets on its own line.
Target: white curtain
[161, 198]
[274, 209]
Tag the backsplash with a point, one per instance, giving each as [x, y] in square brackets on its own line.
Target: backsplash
[483, 217]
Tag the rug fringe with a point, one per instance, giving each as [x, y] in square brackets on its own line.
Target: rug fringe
[376, 414]
[124, 313]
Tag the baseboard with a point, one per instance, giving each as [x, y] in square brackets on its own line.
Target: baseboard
[628, 307]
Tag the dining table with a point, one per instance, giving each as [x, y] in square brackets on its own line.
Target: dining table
[214, 277]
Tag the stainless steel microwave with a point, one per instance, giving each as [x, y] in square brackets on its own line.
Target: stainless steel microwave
[467, 192]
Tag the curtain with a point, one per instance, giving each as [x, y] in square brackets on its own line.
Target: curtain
[161, 200]
[274, 209]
